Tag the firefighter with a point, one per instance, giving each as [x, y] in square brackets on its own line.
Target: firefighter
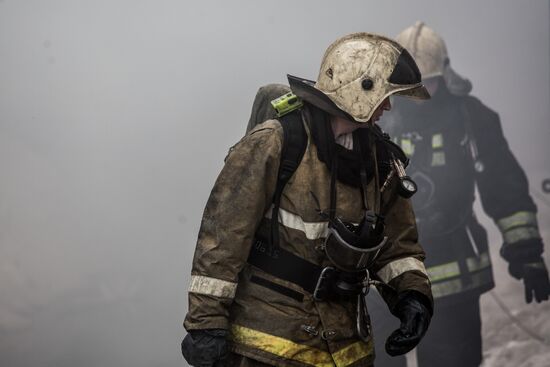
[281, 266]
[456, 144]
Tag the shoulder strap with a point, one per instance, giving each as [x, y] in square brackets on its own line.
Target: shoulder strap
[294, 147]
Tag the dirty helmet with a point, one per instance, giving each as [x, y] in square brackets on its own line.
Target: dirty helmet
[358, 72]
[430, 53]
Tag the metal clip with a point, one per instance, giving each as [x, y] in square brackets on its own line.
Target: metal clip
[310, 329]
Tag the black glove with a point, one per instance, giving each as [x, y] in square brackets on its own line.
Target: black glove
[205, 348]
[414, 311]
[535, 278]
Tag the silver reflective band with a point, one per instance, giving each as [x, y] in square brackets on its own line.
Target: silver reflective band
[443, 271]
[212, 286]
[398, 267]
[519, 219]
[519, 234]
[454, 286]
[452, 269]
[478, 263]
[312, 230]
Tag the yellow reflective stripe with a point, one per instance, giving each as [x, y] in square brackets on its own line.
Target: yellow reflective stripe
[212, 286]
[519, 234]
[396, 268]
[519, 219]
[452, 269]
[443, 271]
[407, 146]
[438, 159]
[312, 230]
[437, 141]
[454, 286]
[299, 352]
[280, 347]
[353, 353]
[478, 263]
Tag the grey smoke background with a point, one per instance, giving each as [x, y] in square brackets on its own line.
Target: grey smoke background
[115, 117]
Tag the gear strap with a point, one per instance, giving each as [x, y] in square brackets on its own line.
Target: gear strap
[294, 147]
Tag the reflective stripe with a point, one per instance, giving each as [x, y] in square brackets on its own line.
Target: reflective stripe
[478, 263]
[398, 267]
[353, 353]
[444, 271]
[519, 234]
[519, 219]
[438, 159]
[452, 269]
[280, 347]
[437, 141]
[212, 286]
[312, 230]
[454, 286]
[407, 146]
[299, 352]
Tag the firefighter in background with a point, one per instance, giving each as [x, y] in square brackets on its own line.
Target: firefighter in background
[456, 143]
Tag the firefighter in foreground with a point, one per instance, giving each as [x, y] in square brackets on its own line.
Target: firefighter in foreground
[305, 208]
[455, 144]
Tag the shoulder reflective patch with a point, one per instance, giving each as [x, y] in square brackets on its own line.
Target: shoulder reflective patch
[398, 267]
[519, 234]
[438, 159]
[312, 230]
[519, 219]
[437, 141]
[212, 286]
[290, 350]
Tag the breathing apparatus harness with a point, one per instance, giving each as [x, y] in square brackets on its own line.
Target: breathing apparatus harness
[352, 248]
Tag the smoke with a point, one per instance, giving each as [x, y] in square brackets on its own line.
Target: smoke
[115, 117]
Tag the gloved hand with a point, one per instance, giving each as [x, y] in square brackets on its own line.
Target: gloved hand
[413, 311]
[205, 348]
[535, 278]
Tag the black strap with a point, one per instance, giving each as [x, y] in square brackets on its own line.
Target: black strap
[285, 265]
[294, 147]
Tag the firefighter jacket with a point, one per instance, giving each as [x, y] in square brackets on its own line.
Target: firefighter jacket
[455, 144]
[272, 320]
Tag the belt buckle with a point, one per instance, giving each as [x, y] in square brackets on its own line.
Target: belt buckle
[323, 288]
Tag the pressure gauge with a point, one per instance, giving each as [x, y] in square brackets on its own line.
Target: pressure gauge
[407, 187]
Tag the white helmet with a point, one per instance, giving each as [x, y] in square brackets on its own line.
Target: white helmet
[430, 53]
[358, 72]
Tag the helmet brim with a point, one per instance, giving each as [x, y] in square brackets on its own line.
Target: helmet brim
[305, 89]
[418, 92]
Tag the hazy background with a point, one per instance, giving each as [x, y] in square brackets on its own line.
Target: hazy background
[115, 117]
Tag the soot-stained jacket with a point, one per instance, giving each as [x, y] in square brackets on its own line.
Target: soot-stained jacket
[288, 328]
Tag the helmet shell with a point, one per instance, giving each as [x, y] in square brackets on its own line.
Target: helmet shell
[358, 72]
[430, 53]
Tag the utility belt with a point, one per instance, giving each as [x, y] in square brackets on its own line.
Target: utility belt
[323, 283]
